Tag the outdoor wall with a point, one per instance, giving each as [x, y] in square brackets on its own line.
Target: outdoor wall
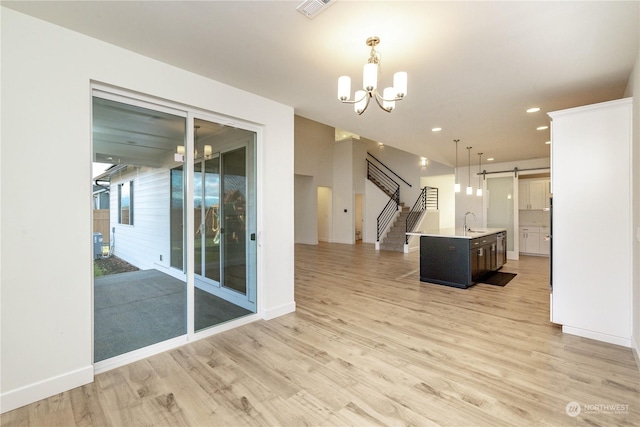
[46, 277]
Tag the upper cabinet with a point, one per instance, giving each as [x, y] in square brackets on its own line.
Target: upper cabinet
[533, 194]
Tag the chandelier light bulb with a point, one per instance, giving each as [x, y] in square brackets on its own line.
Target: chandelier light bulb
[344, 88]
[370, 77]
[400, 84]
[362, 99]
[456, 187]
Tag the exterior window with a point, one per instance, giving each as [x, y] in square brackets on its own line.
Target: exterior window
[125, 203]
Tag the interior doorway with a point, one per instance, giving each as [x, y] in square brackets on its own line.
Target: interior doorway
[324, 214]
[359, 218]
[501, 209]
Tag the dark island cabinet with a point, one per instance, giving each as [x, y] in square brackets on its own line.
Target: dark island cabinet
[455, 261]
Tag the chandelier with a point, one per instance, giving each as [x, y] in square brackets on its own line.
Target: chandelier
[370, 85]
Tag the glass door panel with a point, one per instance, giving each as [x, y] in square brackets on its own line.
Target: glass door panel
[210, 219]
[234, 225]
[224, 221]
[501, 209]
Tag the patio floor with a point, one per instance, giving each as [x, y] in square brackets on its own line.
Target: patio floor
[136, 309]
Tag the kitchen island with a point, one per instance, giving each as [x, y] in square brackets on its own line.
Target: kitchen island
[459, 258]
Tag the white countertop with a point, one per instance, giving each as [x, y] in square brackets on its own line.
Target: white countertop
[458, 232]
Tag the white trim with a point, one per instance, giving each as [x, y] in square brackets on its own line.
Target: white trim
[42, 389]
[190, 113]
[279, 311]
[611, 339]
[635, 349]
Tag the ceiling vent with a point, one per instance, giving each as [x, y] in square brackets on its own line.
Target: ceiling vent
[311, 8]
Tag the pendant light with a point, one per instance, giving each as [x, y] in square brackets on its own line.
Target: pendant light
[479, 190]
[456, 186]
[469, 189]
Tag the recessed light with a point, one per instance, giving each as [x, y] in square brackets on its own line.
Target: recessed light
[548, 142]
[542, 127]
[436, 129]
[533, 110]
[490, 159]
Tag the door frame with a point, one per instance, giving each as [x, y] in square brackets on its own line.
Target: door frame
[515, 253]
[147, 101]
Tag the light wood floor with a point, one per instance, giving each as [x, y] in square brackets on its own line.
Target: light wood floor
[371, 345]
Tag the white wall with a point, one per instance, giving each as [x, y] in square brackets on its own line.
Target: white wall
[446, 197]
[46, 306]
[633, 89]
[306, 207]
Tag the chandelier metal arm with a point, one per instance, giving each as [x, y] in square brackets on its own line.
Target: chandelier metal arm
[378, 99]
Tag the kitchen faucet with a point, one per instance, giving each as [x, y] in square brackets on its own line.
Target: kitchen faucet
[465, 220]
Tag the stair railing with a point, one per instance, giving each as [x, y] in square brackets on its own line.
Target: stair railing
[388, 168]
[382, 180]
[388, 213]
[427, 200]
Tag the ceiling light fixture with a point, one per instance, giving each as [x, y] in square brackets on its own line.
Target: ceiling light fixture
[469, 189]
[370, 85]
[490, 159]
[456, 186]
[479, 190]
[436, 129]
[542, 127]
[533, 110]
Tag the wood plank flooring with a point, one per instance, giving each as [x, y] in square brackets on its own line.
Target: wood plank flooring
[370, 345]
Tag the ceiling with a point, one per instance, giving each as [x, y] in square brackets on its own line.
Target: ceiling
[473, 67]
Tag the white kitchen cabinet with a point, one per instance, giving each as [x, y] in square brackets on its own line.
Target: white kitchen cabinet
[591, 155]
[533, 194]
[530, 240]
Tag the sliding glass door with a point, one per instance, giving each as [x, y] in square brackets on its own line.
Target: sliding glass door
[501, 211]
[177, 198]
[225, 221]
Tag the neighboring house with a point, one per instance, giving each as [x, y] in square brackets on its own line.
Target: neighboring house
[100, 196]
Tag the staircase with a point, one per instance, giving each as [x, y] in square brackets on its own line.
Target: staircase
[395, 238]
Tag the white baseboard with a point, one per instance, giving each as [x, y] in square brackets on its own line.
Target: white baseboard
[281, 310]
[635, 348]
[42, 389]
[611, 339]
